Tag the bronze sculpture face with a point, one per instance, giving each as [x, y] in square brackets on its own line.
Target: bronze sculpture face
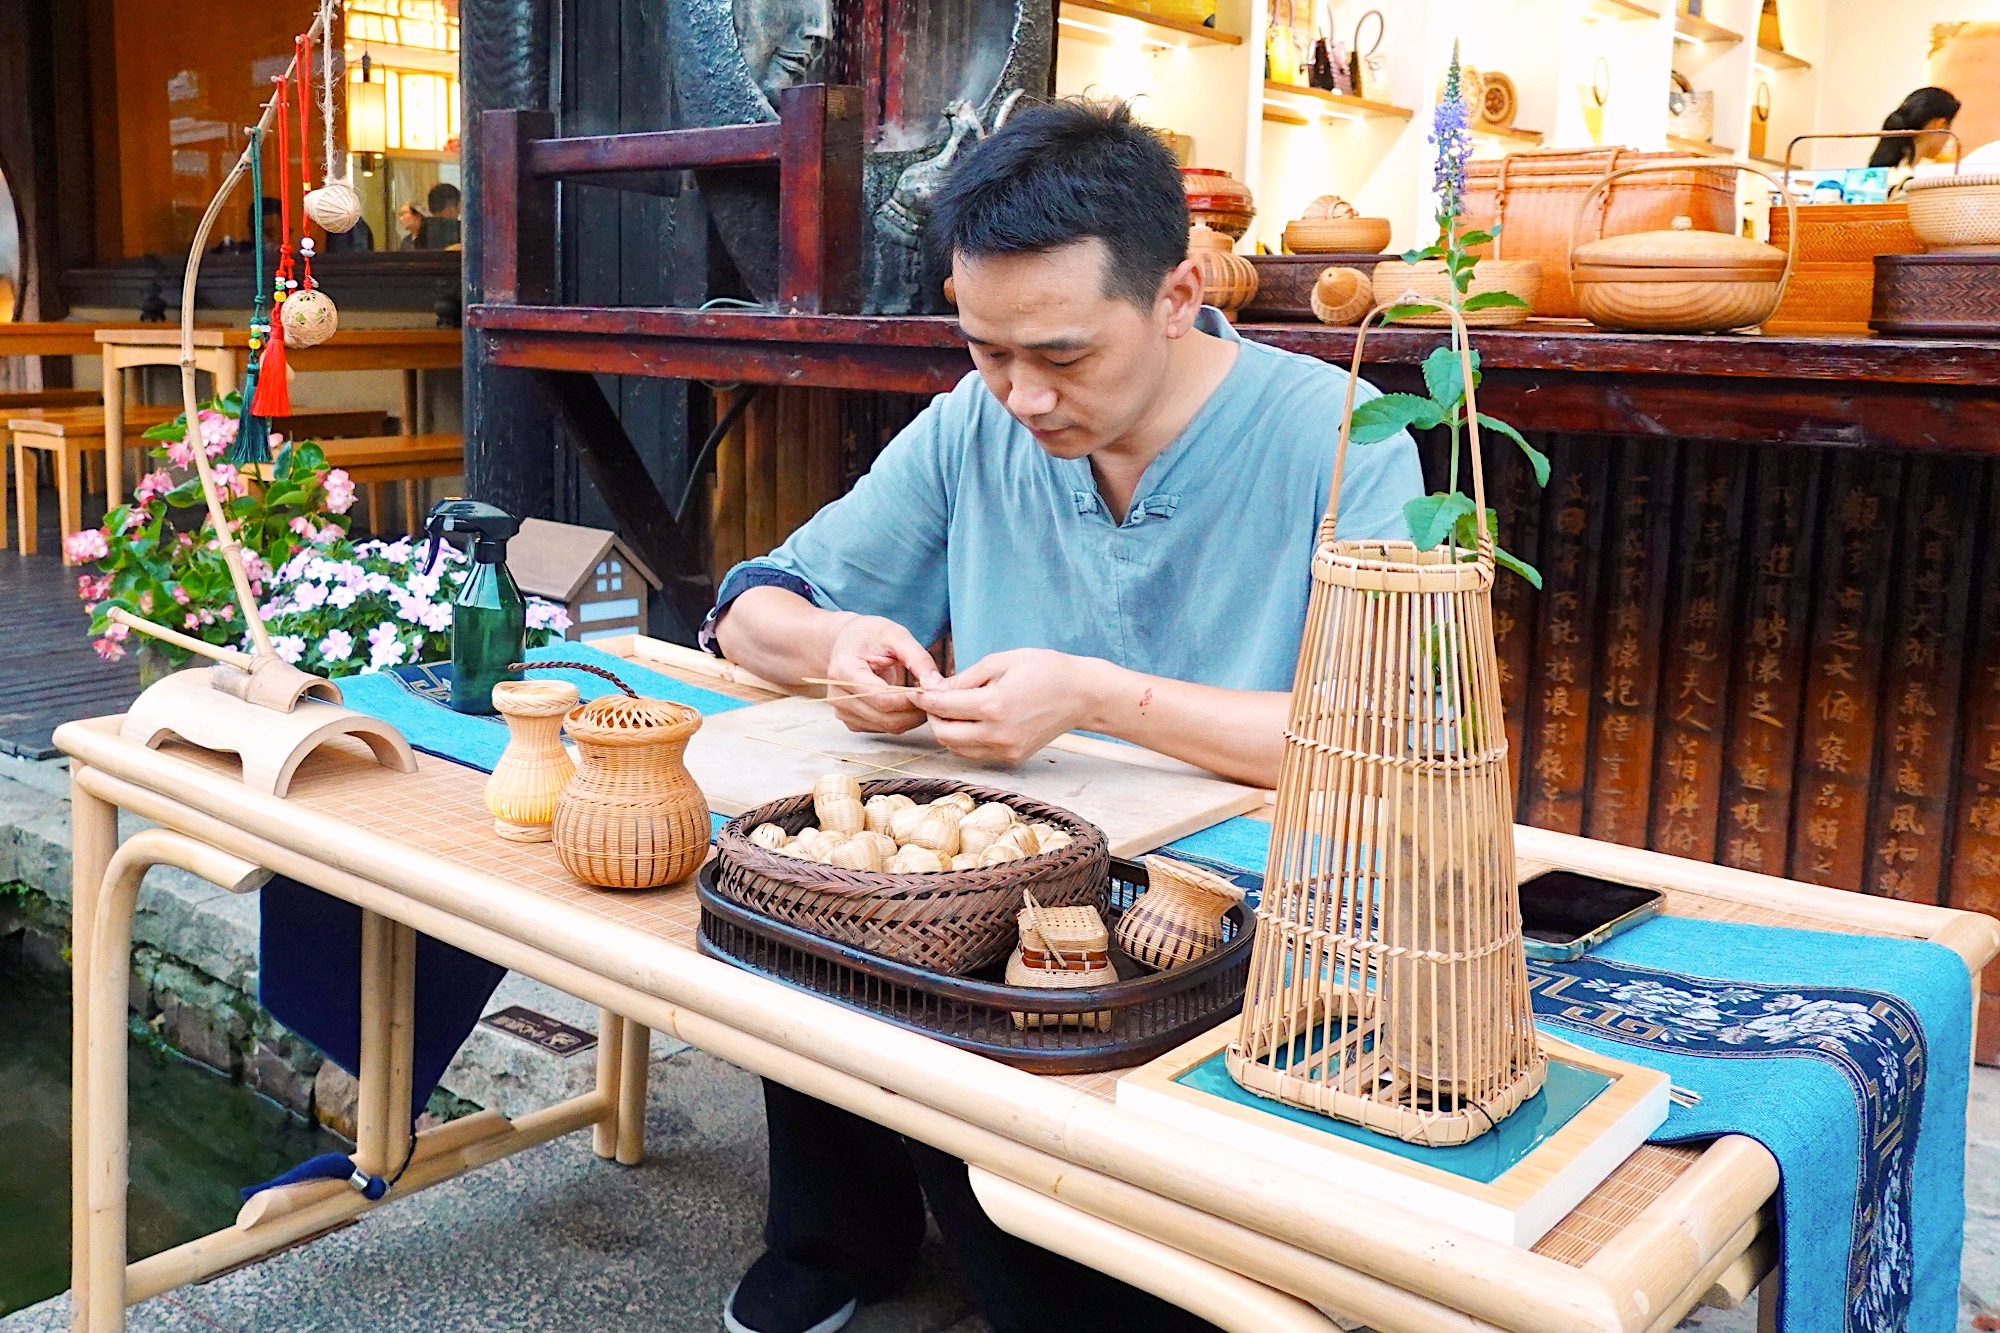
[783, 41]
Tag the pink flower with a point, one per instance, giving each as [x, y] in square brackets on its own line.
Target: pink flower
[191, 620]
[117, 633]
[89, 544]
[151, 487]
[180, 453]
[339, 491]
[217, 432]
[229, 480]
[302, 525]
[181, 594]
[277, 443]
[136, 517]
[145, 602]
[108, 650]
[93, 588]
[328, 535]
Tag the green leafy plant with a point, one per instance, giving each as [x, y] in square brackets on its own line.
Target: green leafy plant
[1449, 514]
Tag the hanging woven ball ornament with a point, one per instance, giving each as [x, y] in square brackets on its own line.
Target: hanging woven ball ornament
[310, 318]
[335, 206]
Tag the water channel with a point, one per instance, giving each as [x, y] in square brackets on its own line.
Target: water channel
[196, 1138]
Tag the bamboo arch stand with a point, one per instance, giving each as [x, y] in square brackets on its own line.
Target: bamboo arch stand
[256, 704]
[1387, 984]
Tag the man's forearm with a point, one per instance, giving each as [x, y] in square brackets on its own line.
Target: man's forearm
[779, 635]
[1237, 734]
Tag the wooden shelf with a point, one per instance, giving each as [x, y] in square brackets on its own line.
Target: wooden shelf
[1106, 18]
[1507, 134]
[1697, 148]
[1772, 58]
[1336, 104]
[1622, 9]
[1704, 32]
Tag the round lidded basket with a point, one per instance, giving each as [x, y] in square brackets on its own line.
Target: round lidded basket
[1682, 280]
[1218, 199]
[1325, 236]
[1956, 214]
[952, 921]
[632, 817]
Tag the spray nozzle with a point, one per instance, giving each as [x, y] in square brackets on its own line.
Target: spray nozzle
[488, 527]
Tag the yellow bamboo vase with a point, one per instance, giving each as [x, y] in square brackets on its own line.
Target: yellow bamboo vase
[533, 770]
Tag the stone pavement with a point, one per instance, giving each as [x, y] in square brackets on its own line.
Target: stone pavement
[555, 1241]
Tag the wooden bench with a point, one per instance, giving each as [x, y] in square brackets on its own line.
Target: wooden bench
[72, 434]
[374, 461]
[15, 399]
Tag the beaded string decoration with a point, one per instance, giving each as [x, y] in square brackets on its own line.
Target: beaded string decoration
[335, 205]
[309, 316]
[274, 394]
[253, 433]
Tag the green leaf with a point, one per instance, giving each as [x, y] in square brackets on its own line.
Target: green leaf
[1519, 566]
[1379, 418]
[168, 430]
[1396, 312]
[1443, 376]
[1492, 301]
[1538, 459]
[1431, 517]
[1472, 238]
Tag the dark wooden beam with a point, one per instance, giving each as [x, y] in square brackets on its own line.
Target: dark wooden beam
[819, 200]
[518, 257]
[654, 150]
[642, 515]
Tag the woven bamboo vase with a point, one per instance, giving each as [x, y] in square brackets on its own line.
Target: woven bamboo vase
[1179, 917]
[533, 770]
[1387, 984]
[632, 817]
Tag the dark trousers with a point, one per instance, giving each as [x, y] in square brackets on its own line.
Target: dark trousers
[848, 1196]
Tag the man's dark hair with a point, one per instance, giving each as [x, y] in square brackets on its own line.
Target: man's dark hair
[442, 196]
[1062, 173]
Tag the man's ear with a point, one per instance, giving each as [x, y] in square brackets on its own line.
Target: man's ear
[1180, 297]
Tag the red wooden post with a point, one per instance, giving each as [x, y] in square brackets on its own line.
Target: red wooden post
[819, 200]
[518, 211]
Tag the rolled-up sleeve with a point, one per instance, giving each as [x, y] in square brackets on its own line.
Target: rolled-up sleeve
[879, 550]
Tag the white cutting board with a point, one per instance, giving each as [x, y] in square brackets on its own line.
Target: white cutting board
[749, 756]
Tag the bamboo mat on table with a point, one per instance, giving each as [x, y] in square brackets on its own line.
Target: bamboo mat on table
[440, 809]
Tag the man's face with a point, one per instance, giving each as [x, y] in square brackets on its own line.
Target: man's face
[1076, 365]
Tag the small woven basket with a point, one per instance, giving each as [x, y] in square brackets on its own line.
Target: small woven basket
[631, 817]
[952, 921]
[1061, 948]
[1959, 214]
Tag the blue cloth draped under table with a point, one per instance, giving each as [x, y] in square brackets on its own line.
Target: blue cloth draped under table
[1845, 1055]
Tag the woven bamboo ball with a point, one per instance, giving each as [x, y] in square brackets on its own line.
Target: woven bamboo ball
[310, 318]
[1342, 296]
[334, 205]
[1228, 280]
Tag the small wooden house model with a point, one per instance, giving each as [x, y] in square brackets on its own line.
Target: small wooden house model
[589, 571]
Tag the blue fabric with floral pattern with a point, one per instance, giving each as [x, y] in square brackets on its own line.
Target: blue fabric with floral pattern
[1845, 1055]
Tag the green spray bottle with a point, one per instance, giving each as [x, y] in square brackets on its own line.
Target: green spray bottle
[489, 618]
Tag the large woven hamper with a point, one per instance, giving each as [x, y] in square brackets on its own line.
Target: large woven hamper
[951, 922]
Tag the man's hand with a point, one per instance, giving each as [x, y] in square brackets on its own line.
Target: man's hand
[1005, 707]
[871, 649]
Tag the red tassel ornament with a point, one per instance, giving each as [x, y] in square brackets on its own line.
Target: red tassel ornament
[274, 393]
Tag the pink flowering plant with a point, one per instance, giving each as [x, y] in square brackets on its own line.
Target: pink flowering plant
[348, 608]
[157, 555]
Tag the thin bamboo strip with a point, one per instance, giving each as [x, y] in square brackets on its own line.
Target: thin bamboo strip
[605, 964]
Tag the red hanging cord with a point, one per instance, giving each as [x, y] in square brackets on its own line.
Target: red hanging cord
[274, 395]
[304, 64]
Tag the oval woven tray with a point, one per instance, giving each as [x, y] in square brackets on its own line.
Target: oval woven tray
[952, 921]
[1149, 1013]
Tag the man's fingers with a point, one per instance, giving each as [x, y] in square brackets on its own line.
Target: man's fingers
[959, 705]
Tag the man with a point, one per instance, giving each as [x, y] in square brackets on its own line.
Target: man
[1113, 518]
[440, 231]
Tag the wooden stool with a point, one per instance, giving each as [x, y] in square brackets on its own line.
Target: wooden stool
[374, 461]
[67, 435]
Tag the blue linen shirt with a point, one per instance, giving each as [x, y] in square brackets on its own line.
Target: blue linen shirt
[965, 523]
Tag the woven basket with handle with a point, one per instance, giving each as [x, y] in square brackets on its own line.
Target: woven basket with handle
[1388, 986]
[952, 921]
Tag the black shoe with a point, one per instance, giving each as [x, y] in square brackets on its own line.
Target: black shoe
[779, 1296]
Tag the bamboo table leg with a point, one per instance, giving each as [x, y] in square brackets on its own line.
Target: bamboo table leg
[610, 1046]
[388, 1007]
[632, 1069]
[102, 984]
[93, 838]
[411, 398]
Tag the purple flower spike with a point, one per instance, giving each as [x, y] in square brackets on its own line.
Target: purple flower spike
[1451, 136]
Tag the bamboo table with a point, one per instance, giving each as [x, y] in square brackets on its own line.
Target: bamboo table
[224, 352]
[1229, 1236]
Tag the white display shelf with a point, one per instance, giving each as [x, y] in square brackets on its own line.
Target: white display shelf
[1108, 20]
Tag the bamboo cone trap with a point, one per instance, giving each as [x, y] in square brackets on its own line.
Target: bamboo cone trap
[1387, 984]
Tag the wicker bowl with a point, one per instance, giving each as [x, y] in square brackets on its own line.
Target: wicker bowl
[1956, 214]
[953, 921]
[1333, 236]
[1428, 281]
